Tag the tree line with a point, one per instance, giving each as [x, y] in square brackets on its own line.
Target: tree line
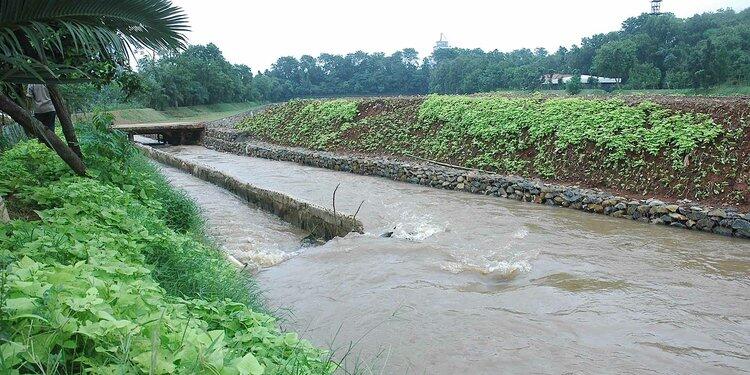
[648, 52]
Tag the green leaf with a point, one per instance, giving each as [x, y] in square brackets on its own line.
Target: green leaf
[249, 365]
[22, 305]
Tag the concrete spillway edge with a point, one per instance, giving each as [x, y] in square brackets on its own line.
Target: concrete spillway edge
[319, 221]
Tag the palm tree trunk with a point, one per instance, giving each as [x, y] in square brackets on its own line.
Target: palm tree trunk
[64, 115]
[32, 125]
[4, 217]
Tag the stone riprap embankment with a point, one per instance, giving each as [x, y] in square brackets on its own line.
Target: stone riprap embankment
[682, 214]
[319, 221]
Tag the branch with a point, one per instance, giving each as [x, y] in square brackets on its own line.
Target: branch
[334, 199]
[360, 206]
[35, 127]
[64, 115]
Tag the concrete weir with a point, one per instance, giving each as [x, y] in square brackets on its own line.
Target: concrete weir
[319, 221]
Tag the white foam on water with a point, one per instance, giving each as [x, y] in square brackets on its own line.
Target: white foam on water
[505, 262]
[417, 231]
[521, 233]
[264, 258]
[417, 227]
[498, 269]
[261, 253]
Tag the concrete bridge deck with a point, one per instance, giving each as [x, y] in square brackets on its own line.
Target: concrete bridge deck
[174, 133]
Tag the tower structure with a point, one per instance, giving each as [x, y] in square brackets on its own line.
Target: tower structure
[656, 7]
[442, 43]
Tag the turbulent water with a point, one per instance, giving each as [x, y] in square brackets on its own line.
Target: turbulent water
[479, 285]
[249, 234]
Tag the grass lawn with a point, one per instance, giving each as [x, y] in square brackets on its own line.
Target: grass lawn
[181, 114]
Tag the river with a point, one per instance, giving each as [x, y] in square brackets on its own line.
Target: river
[470, 284]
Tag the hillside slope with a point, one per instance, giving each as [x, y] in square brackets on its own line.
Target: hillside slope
[672, 147]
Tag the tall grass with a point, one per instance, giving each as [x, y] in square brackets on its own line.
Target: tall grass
[178, 114]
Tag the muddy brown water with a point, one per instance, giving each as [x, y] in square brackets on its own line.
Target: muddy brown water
[479, 285]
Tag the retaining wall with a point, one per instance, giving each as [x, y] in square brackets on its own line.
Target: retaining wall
[681, 214]
[318, 220]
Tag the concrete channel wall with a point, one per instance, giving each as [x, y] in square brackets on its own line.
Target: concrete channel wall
[682, 214]
[320, 221]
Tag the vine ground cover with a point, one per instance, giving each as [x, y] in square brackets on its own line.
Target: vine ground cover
[678, 147]
[115, 276]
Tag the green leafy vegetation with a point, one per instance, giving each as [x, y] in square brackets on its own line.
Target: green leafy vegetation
[315, 124]
[199, 75]
[116, 277]
[500, 127]
[631, 144]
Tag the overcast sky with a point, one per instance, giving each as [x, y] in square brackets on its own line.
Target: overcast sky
[256, 33]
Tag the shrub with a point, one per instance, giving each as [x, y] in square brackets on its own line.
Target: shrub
[102, 283]
[314, 124]
[574, 86]
[112, 159]
[631, 145]
[644, 76]
[29, 164]
[78, 296]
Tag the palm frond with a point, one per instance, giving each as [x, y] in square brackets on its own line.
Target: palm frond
[34, 29]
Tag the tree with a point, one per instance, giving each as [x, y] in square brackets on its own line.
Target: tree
[574, 87]
[705, 66]
[44, 41]
[615, 59]
[644, 76]
[708, 49]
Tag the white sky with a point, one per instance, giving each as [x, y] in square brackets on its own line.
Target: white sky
[256, 33]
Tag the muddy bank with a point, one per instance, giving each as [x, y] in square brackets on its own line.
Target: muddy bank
[317, 220]
[678, 214]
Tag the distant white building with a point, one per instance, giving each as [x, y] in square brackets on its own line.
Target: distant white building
[558, 79]
[442, 43]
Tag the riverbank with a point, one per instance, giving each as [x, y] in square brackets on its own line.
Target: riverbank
[687, 215]
[376, 136]
[113, 274]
